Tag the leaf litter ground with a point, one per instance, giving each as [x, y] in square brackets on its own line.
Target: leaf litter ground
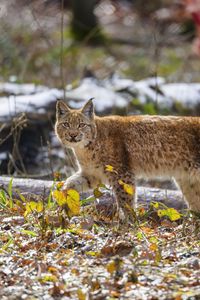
[82, 259]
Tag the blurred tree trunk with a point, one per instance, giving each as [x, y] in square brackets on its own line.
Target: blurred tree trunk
[84, 21]
[145, 8]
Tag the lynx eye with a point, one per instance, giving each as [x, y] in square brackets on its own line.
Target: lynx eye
[82, 125]
[66, 125]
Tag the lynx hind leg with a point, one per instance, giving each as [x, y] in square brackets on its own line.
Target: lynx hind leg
[190, 187]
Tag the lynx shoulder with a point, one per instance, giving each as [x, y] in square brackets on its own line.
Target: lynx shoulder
[134, 146]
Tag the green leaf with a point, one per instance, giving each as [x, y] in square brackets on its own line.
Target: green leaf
[97, 193]
[3, 206]
[139, 236]
[87, 200]
[3, 197]
[101, 185]
[50, 201]
[10, 185]
[29, 232]
[21, 196]
[153, 239]
[6, 246]
[3, 200]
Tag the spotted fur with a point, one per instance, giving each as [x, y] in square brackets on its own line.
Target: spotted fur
[136, 146]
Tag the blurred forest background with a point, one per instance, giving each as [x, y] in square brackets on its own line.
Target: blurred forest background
[137, 38]
[119, 44]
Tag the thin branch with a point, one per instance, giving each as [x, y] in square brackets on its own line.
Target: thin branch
[61, 48]
[17, 123]
[41, 30]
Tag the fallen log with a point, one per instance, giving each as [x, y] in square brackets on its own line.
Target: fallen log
[33, 188]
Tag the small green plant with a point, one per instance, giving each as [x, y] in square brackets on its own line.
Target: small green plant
[6, 196]
[3, 199]
[164, 211]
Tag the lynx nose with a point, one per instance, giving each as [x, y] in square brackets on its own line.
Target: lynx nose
[73, 135]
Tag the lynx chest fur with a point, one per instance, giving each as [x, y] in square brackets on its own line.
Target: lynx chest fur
[134, 146]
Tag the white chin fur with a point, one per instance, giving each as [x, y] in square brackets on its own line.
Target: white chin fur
[81, 144]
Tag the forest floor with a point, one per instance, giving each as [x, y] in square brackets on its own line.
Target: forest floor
[46, 256]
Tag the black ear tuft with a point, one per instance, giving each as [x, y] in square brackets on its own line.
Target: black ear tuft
[61, 108]
[88, 109]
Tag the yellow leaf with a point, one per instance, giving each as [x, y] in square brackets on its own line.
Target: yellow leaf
[161, 213]
[73, 202]
[111, 267]
[153, 247]
[32, 205]
[60, 197]
[128, 188]
[26, 213]
[109, 168]
[155, 204]
[173, 214]
[48, 277]
[81, 295]
[59, 185]
[92, 253]
[28, 210]
[39, 206]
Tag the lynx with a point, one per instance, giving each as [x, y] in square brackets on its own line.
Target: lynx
[135, 146]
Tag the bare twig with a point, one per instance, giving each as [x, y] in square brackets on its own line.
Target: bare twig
[41, 30]
[18, 122]
[61, 48]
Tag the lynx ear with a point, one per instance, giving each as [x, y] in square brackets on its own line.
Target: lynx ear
[61, 108]
[88, 109]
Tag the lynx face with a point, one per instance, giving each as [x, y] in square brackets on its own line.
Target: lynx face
[75, 127]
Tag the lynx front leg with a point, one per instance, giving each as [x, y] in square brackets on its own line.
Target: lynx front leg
[124, 189]
[80, 182]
